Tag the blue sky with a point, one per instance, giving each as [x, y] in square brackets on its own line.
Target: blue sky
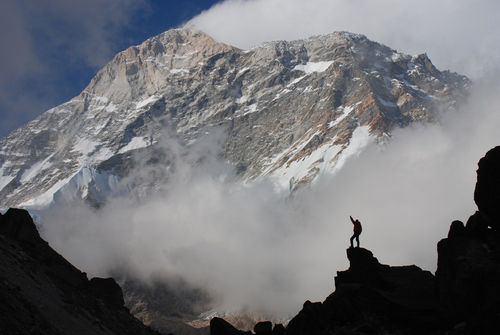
[52, 48]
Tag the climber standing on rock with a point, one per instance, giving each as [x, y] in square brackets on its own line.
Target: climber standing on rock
[357, 231]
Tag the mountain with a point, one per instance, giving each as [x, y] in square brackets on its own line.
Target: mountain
[287, 110]
[463, 297]
[42, 293]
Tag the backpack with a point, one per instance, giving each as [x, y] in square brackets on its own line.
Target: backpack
[357, 227]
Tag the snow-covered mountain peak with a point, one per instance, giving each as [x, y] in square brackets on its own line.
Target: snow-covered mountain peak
[289, 111]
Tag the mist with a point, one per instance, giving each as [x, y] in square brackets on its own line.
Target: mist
[254, 248]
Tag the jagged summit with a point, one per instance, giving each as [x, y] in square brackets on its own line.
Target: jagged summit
[288, 109]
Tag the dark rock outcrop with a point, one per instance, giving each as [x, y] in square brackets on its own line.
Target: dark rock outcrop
[487, 191]
[18, 224]
[372, 298]
[468, 273]
[109, 290]
[219, 326]
[279, 329]
[263, 328]
[42, 293]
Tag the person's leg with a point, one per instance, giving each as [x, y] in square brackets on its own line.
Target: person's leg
[352, 238]
[357, 239]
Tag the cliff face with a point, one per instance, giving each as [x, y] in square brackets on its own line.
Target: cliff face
[42, 293]
[462, 298]
[468, 274]
[372, 298]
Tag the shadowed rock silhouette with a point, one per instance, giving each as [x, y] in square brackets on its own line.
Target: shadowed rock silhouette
[42, 293]
[487, 191]
[462, 298]
[372, 297]
[219, 326]
[468, 274]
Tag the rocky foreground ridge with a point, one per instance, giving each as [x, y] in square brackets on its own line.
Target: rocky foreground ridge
[463, 297]
[42, 293]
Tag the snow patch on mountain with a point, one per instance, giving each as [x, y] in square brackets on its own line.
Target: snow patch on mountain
[176, 71]
[36, 168]
[88, 182]
[328, 157]
[147, 101]
[135, 143]
[4, 180]
[360, 139]
[311, 67]
[102, 154]
[251, 109]
[242, 99]
[46, 198]
[85, 146]
[345, 112]
[296, 170]
[295, 81]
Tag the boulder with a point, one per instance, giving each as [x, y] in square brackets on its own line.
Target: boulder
[17, 224]
[487, 191]
[220, 326]
[263, 327]
[279, 329]
[457, 228]
[108, 290]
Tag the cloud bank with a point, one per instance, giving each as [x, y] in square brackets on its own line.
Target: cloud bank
[460, 35]
[253, 248]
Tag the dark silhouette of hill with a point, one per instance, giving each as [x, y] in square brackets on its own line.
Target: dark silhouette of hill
[42, 293]
[463, 297]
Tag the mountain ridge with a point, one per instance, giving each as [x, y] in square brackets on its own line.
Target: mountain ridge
[288, 110]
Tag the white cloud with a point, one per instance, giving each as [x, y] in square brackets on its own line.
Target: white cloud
[252, 248]
[460, 35]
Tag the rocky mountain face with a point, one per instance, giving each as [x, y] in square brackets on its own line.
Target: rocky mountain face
[42, 293]
[463, 297]
[288, 110]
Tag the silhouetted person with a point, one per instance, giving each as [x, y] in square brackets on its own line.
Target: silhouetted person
[357, 231]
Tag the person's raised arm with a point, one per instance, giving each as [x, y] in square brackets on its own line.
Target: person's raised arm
[352, 220]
